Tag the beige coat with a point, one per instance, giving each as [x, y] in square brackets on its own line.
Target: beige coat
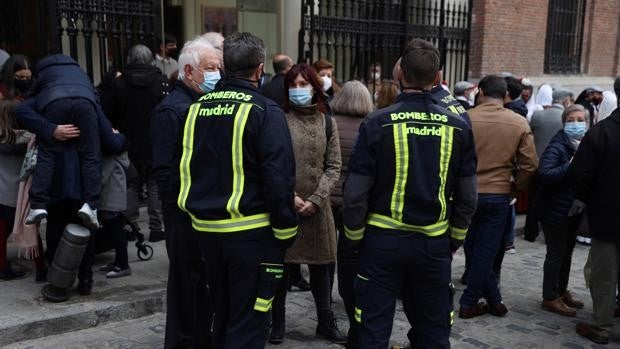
[318, 166]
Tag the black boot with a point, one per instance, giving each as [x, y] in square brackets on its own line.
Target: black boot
[328, 328]
[85, 287]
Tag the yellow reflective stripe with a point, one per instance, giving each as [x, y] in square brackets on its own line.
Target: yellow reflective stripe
[451, 317]
[445, 153]
[358, 314]
[386, 222]
[188, 148]
[237, 160]
[458, 233]
[231, 225]
[262, 304]
[354, 234]
[283, 234]
[401, 154]
[362, 277]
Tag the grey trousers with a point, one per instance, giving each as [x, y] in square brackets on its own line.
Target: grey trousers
[605, 262]
[153, 203]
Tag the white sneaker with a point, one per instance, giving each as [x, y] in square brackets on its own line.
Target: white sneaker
[118, 272]
[35, 216]
[511, 250]
[89, 216]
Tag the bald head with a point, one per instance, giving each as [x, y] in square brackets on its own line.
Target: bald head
[282, 63]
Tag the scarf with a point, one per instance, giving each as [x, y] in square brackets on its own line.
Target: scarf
[25, 235]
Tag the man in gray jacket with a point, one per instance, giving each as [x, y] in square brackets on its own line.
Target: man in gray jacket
[544, 124]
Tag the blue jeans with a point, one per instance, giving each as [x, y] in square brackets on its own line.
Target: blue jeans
[483, 241]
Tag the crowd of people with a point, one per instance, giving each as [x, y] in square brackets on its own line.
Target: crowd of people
[376, 183]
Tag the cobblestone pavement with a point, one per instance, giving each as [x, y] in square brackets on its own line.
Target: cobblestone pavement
[525, 326]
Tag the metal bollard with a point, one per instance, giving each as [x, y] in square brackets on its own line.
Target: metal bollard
[68, 256]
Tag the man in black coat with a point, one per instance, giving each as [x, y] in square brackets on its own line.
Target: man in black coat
[129, 102]
[189, 309]
[594, 174]
[274, 89]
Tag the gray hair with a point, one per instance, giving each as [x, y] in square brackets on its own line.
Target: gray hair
[353, 99]
[214, 38]
[191, 54]
[573, 109]
[560, 94]
[140, 54]
[243, 53]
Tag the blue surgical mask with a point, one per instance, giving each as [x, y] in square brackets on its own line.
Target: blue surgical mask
[210, 79]
[575, 130]
[300, 96]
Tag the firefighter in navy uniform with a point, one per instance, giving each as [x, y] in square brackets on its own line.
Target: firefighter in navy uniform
[408, 201]
[237, 179]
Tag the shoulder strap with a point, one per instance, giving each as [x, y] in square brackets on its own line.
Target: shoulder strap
[328, 126]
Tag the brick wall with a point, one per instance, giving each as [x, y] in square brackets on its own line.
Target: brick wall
[601, 49]
[508, 36]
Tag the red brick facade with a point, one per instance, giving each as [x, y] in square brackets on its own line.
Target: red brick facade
[510, 36]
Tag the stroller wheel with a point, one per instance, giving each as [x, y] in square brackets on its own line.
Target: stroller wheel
[145, 252]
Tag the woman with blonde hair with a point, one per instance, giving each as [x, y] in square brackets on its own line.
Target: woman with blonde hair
[350, 107]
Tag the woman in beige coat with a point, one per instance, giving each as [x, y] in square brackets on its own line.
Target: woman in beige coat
[317, 159]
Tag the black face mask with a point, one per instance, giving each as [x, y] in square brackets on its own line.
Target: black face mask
[22, 86]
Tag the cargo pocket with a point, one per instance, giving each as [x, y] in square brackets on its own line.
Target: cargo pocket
[270, 275]
[361, 290]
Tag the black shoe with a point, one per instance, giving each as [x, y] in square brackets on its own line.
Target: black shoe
[41, 275]
[54, 294]
[302, 285]
[9, 273]
[328, 329]
[157, 236]
[277, 334]
[85, 287]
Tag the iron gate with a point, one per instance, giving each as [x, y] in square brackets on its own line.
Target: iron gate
[98, 33]
[354, 34]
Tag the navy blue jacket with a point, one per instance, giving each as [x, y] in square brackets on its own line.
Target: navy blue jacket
[166, 126]
[518, 106]
[66, 177]
[60, 76]
[555, 196]
[237, 165]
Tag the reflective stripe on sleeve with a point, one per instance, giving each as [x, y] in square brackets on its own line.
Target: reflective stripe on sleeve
[188, 148]
[445, 154]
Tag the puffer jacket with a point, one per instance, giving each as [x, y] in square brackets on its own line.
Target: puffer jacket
[555, 196]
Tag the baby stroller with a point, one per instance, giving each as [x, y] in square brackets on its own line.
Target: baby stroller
[103, 242]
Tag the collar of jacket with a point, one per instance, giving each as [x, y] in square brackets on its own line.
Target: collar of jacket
[490, 106]
[557, 106]
[416, 96]
[180, 84]
[305, 109]
[239, 83]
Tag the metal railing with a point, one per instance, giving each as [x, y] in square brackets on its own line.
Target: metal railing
[353, 34]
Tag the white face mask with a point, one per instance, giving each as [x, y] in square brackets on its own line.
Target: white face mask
[327, 82]
[376, 76]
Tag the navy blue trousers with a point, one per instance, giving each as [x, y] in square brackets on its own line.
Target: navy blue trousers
[81, 113]
[417, 265]
[483, 241]
[240, 268]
